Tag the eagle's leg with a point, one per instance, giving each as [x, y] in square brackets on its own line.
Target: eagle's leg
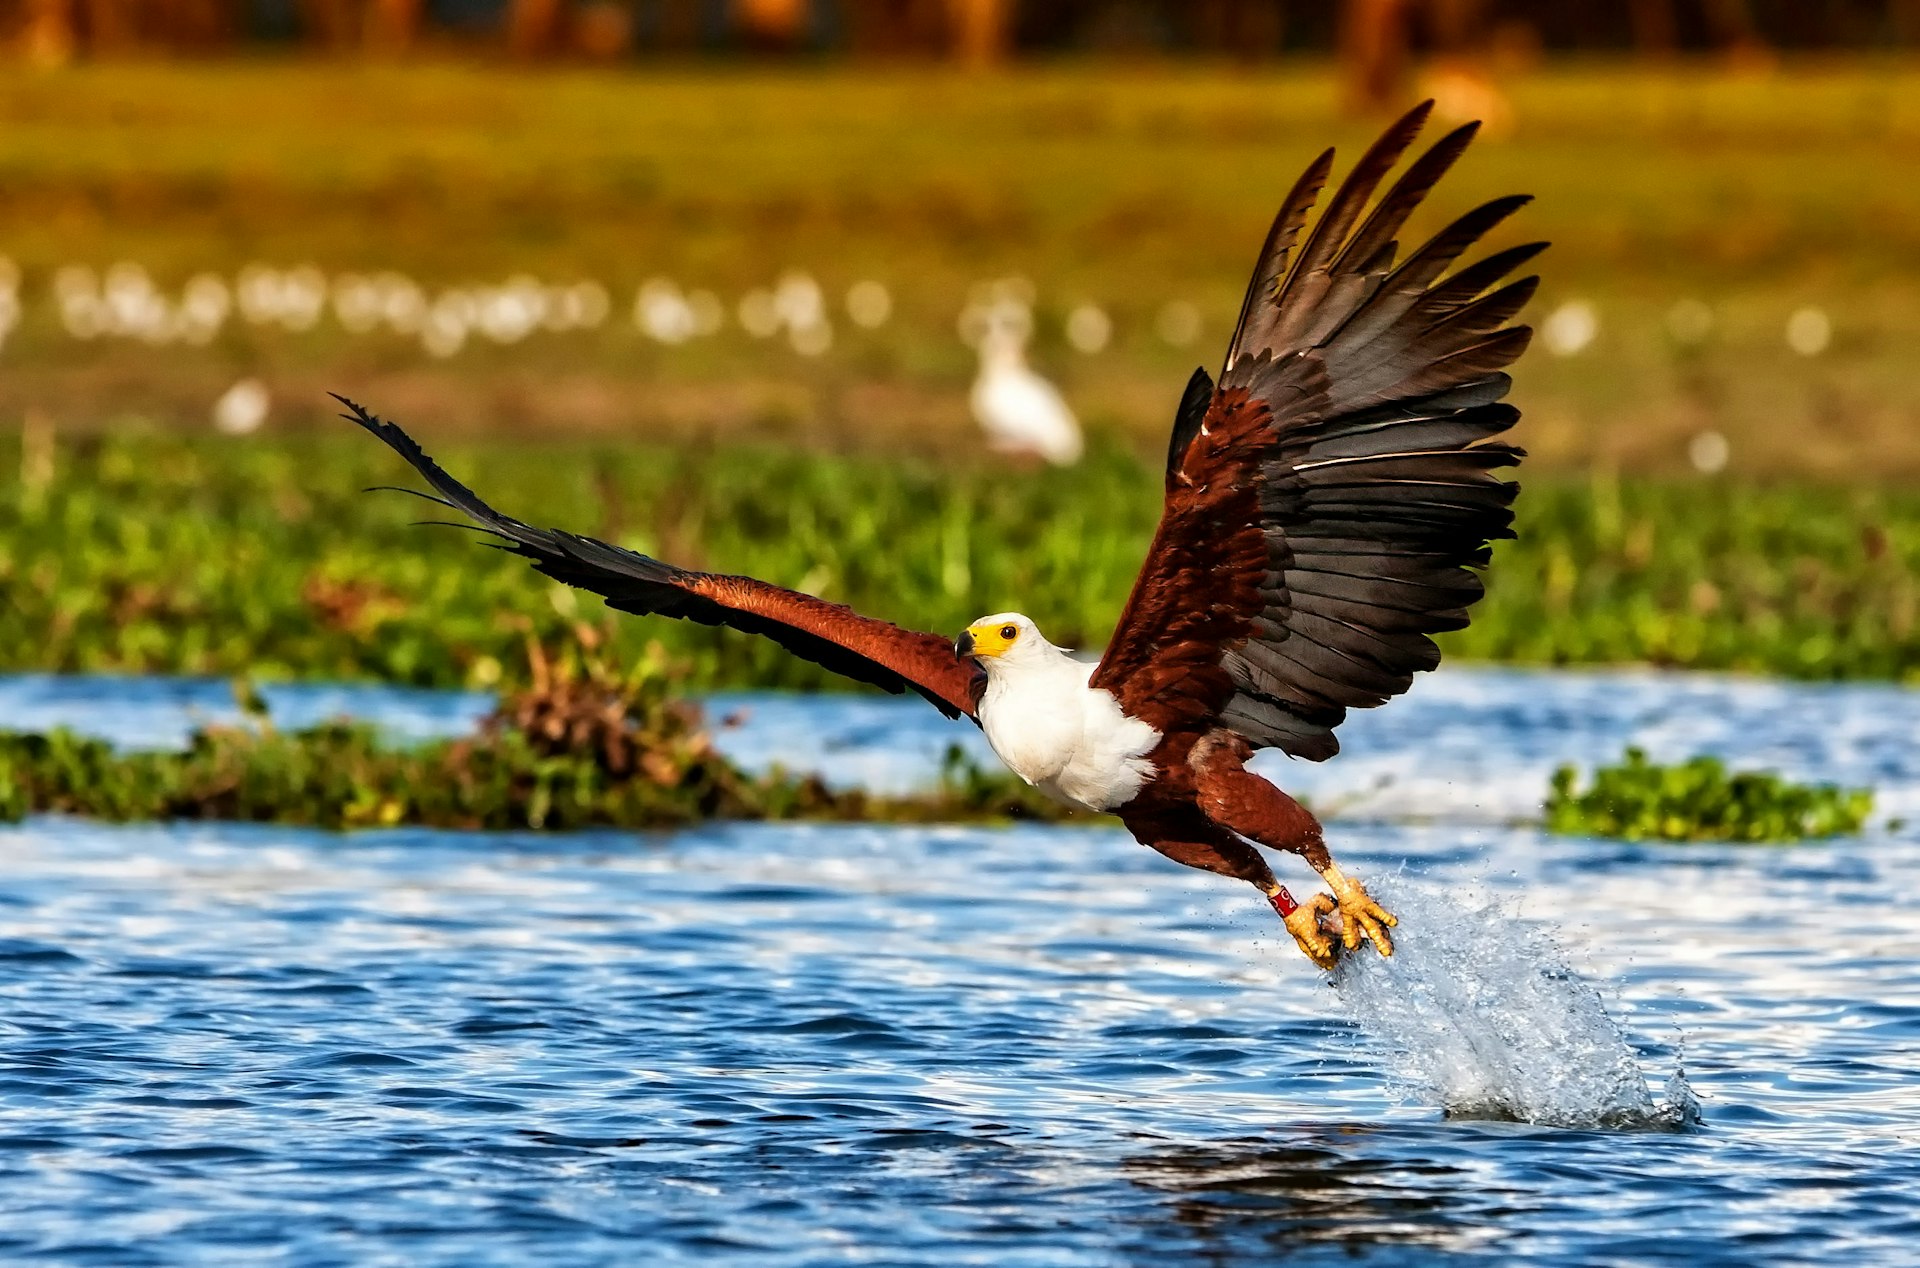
[1186, 836]
[1242, 802]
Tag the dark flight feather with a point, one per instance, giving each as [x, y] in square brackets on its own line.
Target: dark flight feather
[1325, 515]
[1188, 418]
[828, 634]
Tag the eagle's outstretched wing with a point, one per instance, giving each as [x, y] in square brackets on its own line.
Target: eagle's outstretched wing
[828, 634]
[1325, 504]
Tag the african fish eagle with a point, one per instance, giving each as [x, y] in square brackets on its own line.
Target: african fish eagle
[1326, 505]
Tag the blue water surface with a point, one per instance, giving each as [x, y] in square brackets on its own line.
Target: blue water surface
[815, 1044]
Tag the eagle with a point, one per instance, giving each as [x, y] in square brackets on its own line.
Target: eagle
[1329, 502]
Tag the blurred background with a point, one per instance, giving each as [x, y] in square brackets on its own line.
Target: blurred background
[892, 300]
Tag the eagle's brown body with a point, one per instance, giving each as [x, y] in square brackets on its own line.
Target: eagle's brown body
[1325, 505]
[1205, 806]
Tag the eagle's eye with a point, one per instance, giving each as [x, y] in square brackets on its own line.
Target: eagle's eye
[1009, 632]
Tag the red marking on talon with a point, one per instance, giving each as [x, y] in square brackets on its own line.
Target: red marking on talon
[1283, 902]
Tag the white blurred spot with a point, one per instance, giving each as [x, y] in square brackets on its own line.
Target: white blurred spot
[795, 303]
[798, 298]
[1178, 323]
[303, 295]
[9, 298]
[1709, 452]
[242, 408]
[77, 291]
[869, 304]
[811, 340]
[205, 302]
[448, 322]
[258, 291]
[758, 314]
[509, 313]
[1809, 331]
[662, 313]
[133, 306]
[581, 306]
[559, 309]
[1089, 329]
[589, 304]
[356, 303]
[403, 305]
[1690, 320]
[1569, 328]
[442, 335]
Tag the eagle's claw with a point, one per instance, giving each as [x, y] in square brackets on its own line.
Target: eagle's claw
[1314, 937]
[1360, 915]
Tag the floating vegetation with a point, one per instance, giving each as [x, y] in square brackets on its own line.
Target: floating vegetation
[582, 746]
[164, 554]
[1699, 800]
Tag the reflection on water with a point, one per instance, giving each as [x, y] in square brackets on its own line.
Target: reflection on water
[1239, 1194]
[813, 1044]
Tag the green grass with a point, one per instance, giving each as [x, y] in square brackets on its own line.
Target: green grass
[1699, 800]
[156, 552]
[141, 546]
[1131, 186]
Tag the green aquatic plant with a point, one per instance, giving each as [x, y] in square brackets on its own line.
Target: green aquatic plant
[582, 746]
[1700, 800]
[168, 554]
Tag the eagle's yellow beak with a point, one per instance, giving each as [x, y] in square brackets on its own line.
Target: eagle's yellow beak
[981, 641]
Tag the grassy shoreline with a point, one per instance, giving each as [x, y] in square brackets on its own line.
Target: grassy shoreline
[582, 745]
[161, 553]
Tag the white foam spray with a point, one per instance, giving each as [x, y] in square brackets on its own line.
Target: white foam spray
[1485, 1017]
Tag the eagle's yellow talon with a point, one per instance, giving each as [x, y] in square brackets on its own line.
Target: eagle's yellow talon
[1304, 923]
[1360, 915]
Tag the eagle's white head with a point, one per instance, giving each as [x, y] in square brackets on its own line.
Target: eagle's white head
[1003, 641]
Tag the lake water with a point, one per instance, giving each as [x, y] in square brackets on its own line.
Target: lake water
[1004, 1046]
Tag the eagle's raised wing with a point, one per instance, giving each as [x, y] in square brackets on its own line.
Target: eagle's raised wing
[1325, 503]
[828, 634]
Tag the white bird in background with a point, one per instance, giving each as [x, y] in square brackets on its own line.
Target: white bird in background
[1021, 412]
[242, 408]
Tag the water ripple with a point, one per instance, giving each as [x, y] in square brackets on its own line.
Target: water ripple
[816, 1044]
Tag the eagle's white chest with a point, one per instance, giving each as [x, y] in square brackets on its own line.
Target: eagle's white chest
[1065, 738]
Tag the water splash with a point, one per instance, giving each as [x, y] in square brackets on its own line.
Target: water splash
[1486, 1018]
